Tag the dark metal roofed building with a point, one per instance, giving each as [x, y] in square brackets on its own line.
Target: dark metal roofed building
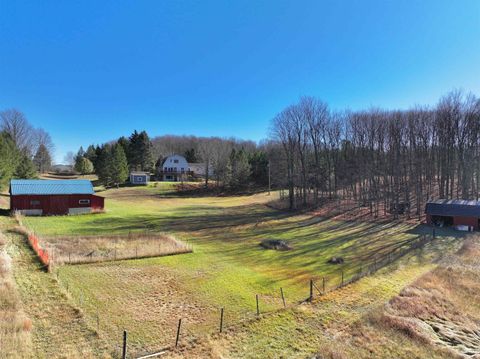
[53, 197]
[453, 212]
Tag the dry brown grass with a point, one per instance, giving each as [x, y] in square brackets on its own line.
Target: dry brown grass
[15, 327]
[88, 249]
[442, 308]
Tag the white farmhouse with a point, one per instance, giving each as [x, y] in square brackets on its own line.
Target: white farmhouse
[175, 168]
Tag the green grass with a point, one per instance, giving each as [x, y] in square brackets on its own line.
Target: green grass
[227, 268]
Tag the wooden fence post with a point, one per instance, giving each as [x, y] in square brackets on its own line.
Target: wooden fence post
[136, 252]
[124, 349]
[283, 298]
[69, 260]
[323, 284]
[342, 278]
[311, 290]
[258, 308]
[433, 232]
[178, 331]
[221, 320]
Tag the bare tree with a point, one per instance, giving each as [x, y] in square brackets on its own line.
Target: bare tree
[16, 125]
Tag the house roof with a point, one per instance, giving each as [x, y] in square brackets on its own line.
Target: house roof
[138, 173]
[453, 207]
[47, 187]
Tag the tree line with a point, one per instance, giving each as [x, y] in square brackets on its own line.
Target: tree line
[25, 151]
[385, 160]
[229, 163]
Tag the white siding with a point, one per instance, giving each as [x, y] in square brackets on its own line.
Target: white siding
[175, 163]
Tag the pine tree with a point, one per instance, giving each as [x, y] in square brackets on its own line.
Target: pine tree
[119, 165]
[259, 165]
[125, 143]
[42, 159]
[25, 167]
[8, 159]
[190, 155]
[238, 169]
[134, 151]
[91, 155]
[83, 165]
[140, 152]
[104, 164]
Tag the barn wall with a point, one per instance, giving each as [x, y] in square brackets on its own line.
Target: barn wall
[466, 221]
[54, 204]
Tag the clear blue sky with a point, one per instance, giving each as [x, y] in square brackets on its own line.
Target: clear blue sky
[91, 71]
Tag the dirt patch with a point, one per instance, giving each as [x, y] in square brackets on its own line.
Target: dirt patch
[275, 244]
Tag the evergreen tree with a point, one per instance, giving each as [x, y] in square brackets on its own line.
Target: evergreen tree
[83, 165]
[259, 165]
[125, 143]
[42, 159]
[190, 155]
[8, 159]
[134, 156]
[104, 161]
[140, 152]
[238, 169]
[25, 167]
[80, 153]
[119, 165]
[91, 154]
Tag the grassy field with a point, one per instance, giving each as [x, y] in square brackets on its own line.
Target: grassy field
[227, 269]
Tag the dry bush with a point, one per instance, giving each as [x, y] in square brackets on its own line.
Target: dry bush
[441, 307]
[88, 249]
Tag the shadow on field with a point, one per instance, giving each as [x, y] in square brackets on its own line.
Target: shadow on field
[4, 212]
[186, 219]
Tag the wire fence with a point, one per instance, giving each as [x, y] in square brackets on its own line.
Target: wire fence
[263, 304]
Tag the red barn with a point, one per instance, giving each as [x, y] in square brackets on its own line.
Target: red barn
[53, 197]
[454, 212]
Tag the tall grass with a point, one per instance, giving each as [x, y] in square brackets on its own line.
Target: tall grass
[89, 249]
[14, 325]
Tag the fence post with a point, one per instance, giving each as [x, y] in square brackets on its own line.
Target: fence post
[124, 349]
[258, 308]
[221, 319]
[178, 331]
[342, 278]
[283, 298]
[311, 290]
[323, 284]
[433, 232]
[98, 322]
[136, 252]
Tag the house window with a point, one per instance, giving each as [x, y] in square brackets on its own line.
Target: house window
[35, 203]
[175, 161]
[84, 201]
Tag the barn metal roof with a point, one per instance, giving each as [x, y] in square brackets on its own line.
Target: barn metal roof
[48, 187]
[453, 207]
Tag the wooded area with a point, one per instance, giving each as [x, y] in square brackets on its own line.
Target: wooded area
[24, 150]
[390, 160]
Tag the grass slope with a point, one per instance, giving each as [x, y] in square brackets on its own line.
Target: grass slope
[59, 329]
[227, 268]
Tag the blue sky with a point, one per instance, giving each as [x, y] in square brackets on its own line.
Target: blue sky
[91, 71]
